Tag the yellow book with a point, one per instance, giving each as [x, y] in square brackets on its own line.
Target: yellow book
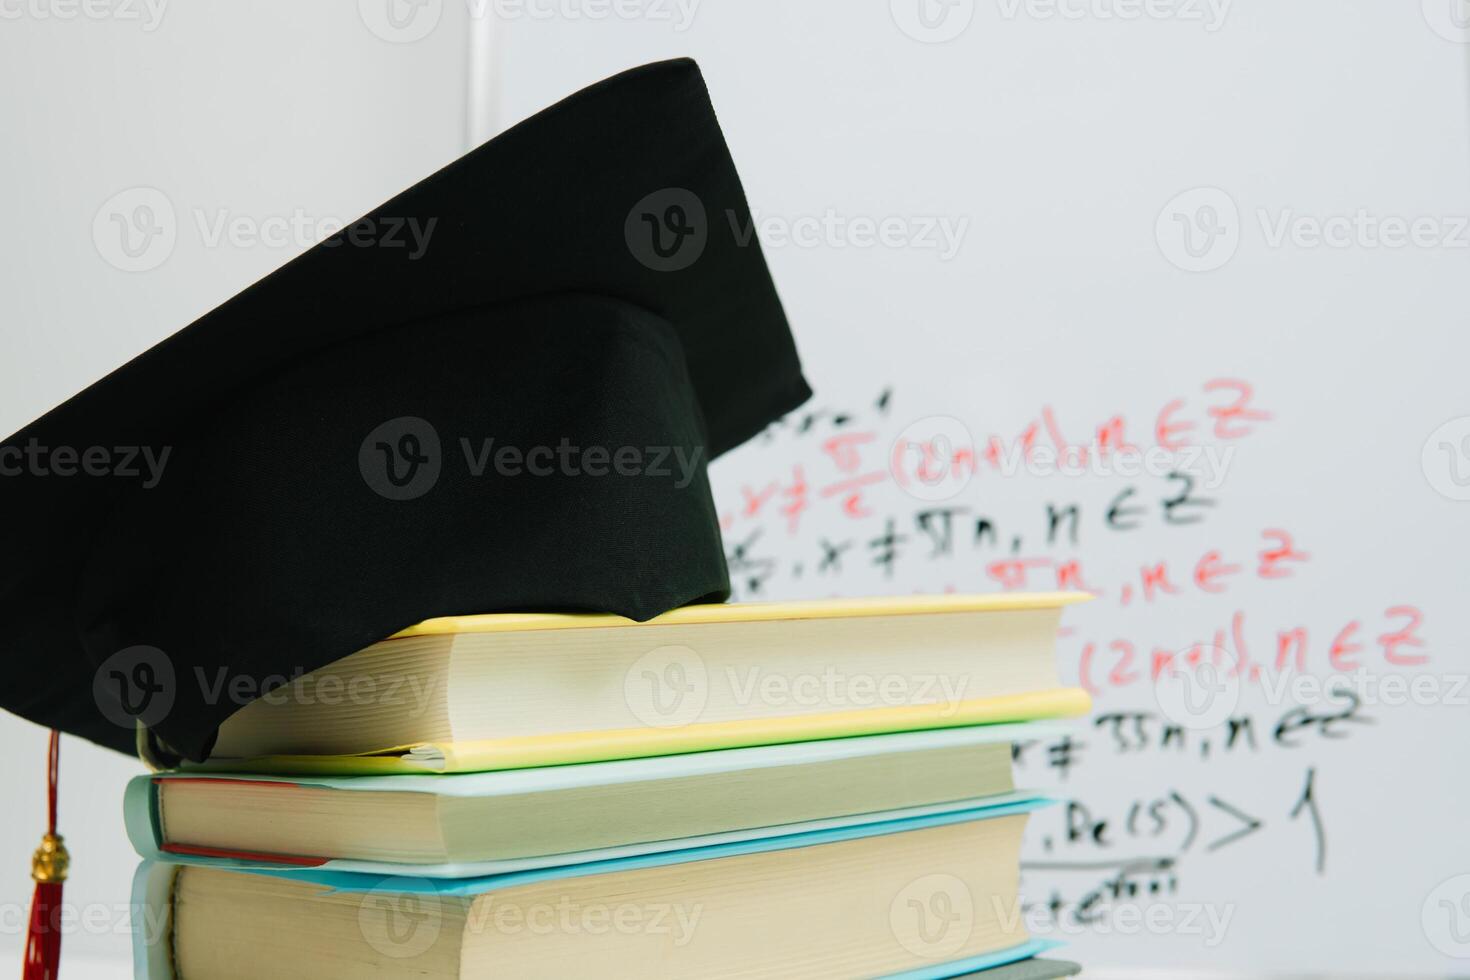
[510, 691]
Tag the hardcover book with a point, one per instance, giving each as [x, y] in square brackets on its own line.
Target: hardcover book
[925, 897]
[496, 822]
[506, 691]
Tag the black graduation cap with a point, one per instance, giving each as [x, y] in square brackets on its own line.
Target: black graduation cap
[497, 391]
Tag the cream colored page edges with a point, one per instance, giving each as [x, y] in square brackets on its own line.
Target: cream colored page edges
[675, 676]
[854, 908]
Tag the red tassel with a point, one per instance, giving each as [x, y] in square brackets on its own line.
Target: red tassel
[43, 949]
[48, 867]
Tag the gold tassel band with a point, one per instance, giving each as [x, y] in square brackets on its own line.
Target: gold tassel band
[50, 862]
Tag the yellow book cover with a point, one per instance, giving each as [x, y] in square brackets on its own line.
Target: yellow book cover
[766, 673]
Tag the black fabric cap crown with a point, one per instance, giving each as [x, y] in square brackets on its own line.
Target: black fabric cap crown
[518, 418]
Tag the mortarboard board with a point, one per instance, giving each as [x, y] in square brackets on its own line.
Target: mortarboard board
[512, 409]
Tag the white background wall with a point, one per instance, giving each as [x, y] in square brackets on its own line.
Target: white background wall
[1056, 137]
[253, 111]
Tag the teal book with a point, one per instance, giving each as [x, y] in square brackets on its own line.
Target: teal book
[1032, 969]
[476, 824]
[919, 899]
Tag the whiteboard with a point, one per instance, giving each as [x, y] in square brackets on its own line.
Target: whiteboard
[1062, 134]
[1233, 231]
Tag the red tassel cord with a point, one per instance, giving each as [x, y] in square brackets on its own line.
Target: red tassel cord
[48, 869]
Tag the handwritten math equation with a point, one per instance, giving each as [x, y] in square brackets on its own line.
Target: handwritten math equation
[879, 497]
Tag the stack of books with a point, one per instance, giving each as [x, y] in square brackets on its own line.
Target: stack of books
[815, 789]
